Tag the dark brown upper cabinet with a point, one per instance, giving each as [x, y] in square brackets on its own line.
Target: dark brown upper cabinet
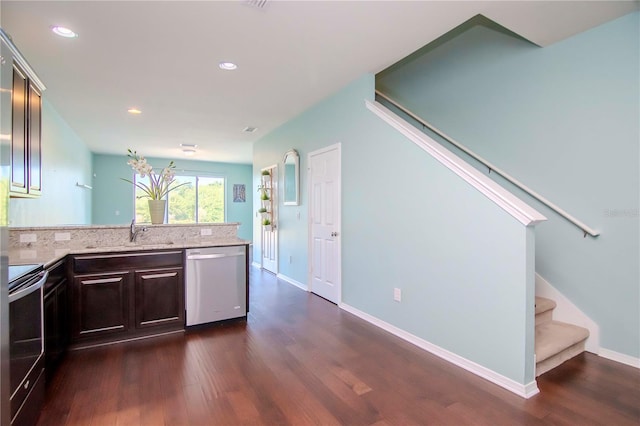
[26, 121]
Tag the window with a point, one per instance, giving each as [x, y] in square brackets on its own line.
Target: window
[182, 202]
[202, 201]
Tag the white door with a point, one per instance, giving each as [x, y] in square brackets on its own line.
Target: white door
[270, 232]
[324, 223]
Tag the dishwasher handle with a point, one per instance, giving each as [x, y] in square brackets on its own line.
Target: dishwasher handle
[212, 256]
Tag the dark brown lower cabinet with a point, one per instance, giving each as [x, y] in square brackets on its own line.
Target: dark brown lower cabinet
[159, 298]
[102, 304]
[126, 295]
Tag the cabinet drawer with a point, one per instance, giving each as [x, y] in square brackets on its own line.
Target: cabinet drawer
[29, 397]
[126, 261]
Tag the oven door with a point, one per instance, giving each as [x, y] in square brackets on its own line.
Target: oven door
[26, 343]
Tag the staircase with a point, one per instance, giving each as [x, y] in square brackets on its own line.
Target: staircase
[556, 341]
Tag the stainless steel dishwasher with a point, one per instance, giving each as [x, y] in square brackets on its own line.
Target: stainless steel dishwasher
[216, 284]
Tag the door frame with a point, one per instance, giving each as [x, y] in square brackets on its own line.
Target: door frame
[338, 147]
[274, 219]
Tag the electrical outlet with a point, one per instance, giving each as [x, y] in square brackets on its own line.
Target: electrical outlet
[62, 236]
[28, 238]
[397, 294]
[205, 231]
[117, 212]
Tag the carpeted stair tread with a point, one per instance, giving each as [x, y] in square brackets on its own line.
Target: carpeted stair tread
[555, 336]
[544, 305]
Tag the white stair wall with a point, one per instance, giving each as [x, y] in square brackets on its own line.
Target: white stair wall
[566, 311]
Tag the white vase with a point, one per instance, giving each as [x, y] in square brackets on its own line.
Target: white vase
[156, 210]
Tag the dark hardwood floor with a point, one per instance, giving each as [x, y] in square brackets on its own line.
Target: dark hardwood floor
[301, 360]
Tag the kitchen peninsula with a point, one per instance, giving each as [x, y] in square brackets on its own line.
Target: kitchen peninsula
[107, 284]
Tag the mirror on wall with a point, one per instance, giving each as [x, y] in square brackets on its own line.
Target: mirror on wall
[291, 189]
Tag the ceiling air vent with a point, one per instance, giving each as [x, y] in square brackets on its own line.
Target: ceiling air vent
[259, 4]
[249, 129]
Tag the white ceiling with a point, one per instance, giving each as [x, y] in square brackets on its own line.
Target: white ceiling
[162, 57]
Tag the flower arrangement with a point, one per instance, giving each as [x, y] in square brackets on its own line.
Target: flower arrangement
[159, 184]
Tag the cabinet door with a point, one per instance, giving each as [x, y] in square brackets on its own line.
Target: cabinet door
[159, 298]
[56, 326]
[19, 149]
[101, 304]
[63, 314]
[34, 137]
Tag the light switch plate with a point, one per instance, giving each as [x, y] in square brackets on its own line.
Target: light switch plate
[397, 294]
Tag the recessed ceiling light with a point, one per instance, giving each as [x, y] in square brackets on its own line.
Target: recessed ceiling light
[189, 152]
[188, 145]
[134, 111]
[249, 129]
[227, 66]
[63, 31]
[260, 4]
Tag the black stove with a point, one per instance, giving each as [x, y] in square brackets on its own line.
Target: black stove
[19, 275]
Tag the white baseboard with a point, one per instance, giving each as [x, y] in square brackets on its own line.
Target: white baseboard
[256, 265]
[293, 282]
[566, 311]
[525, 391]
[621, 358]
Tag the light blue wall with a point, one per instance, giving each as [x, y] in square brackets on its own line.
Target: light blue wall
[66, 160]
[113, 197]
[408, 222]
[564, 121]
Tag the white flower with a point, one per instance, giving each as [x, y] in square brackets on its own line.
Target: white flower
[159, 185]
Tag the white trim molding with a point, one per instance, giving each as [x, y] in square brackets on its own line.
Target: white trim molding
[523, 390]
[293, 282]
[256, 265]
[517, 208]
[621, 358]
[17, 57]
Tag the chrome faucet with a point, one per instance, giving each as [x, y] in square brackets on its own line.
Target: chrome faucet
[133, 232]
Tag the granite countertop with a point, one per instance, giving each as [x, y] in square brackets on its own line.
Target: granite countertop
[50, 255]
[125, 226]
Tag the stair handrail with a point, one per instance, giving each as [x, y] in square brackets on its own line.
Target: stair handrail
[585, 229]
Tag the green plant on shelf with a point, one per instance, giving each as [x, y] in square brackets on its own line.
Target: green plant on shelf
[262, 210]
[266, 222]
[266, 173]
[264, 192]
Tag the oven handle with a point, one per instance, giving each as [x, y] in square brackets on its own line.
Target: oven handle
[30, 289]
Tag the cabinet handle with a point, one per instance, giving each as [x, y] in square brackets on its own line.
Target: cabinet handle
[102, 281]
